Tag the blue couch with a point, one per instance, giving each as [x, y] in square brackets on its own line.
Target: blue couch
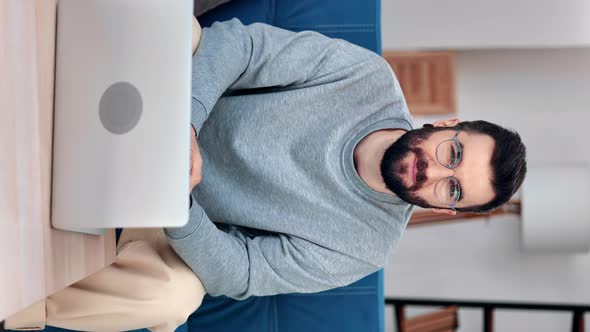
[358, 307]
[355, 308]
[358, 21]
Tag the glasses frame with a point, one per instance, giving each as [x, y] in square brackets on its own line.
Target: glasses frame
[452, 177]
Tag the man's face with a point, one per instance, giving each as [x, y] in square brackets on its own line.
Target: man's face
[411, 170]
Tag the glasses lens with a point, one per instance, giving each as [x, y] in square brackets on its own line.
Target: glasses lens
[447, 190]
[448, 153]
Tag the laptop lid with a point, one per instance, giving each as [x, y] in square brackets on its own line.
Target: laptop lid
[121, 147]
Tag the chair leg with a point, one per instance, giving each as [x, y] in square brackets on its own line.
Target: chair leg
[578, 321]
[488, 319]
[400, 317]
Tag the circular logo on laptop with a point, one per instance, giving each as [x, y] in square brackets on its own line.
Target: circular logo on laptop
[120, 108]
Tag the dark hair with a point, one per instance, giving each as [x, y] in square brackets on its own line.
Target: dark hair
[508, 162]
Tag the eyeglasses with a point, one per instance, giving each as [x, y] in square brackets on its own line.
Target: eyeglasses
[449, 153]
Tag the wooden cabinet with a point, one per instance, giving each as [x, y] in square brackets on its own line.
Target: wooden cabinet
[427, 80]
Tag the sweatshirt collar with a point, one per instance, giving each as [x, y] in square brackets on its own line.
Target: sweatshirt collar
[348, 162]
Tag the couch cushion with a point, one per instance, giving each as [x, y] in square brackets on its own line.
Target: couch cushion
[357, 307]
[358, 21]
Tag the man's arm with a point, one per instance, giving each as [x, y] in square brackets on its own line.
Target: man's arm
[234, 263]
[234, 56]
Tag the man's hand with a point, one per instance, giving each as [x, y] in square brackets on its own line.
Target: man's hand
[196, 161]
[196, 34]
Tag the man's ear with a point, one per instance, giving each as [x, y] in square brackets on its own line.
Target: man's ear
[446, 123]
[444, 211]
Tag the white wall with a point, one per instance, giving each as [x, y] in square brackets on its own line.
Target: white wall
[466, 24]
[545, 96]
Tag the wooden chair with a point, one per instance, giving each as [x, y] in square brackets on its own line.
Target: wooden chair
[442, 320]
[446, 319]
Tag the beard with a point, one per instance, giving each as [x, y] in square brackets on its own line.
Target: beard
[392, 168]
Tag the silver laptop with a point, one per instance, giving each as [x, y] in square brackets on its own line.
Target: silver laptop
[121, 146]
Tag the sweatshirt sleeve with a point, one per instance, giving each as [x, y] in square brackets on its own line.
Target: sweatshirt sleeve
[232, 56]
[234, 263]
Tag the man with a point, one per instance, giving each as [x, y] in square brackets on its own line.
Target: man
[305, 167]
[310, 165]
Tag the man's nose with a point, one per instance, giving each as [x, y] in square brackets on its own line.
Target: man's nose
[436, 171]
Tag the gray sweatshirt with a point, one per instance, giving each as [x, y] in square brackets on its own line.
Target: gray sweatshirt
[281, 208]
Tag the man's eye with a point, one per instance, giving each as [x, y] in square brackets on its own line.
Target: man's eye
[453, 156]
[454, 191]
[459, 154]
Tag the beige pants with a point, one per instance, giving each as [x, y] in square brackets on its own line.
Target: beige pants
[148, 286]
